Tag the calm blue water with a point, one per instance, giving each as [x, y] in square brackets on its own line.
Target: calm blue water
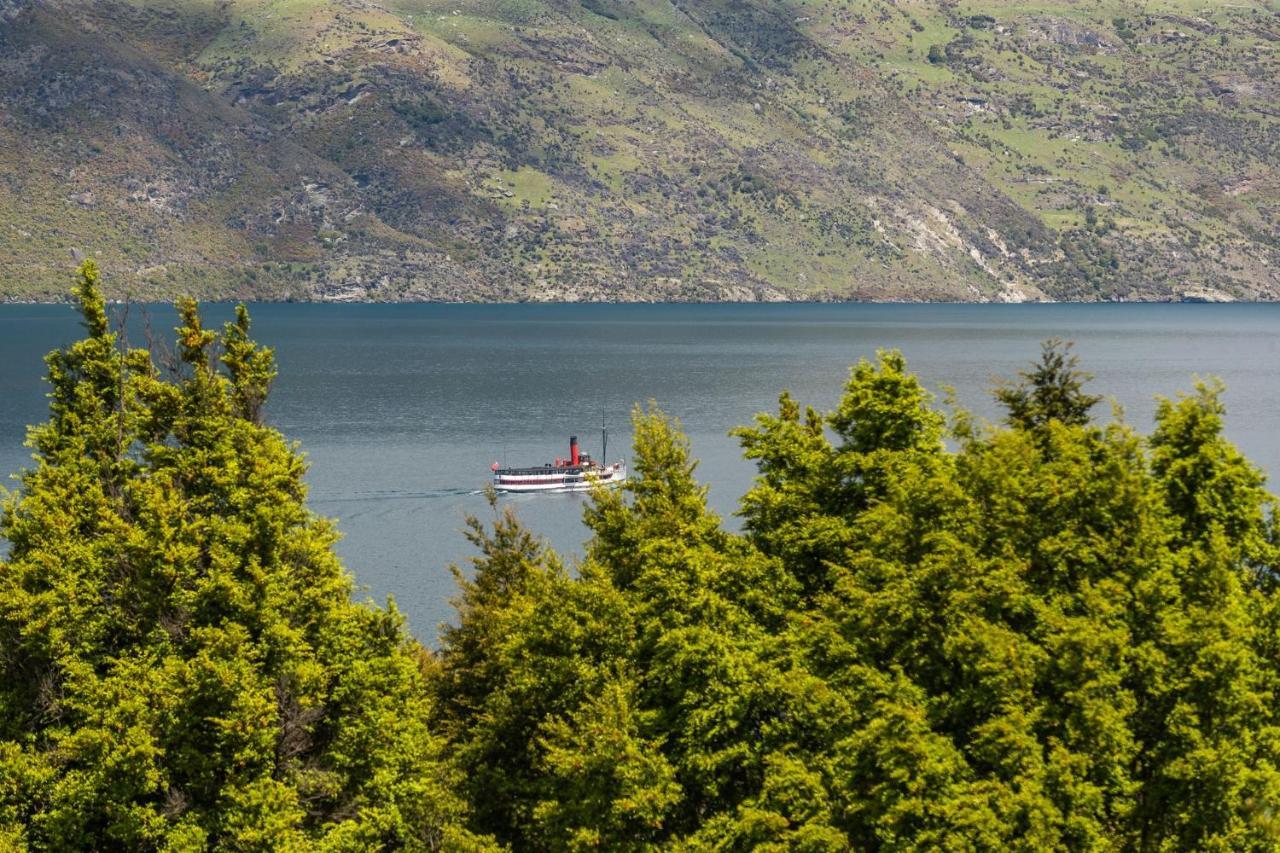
[401, 408]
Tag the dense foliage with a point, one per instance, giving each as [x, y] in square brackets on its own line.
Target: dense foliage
[1054, 635]
[180, 662]
[930, 633]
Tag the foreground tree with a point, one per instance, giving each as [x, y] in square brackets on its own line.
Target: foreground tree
[182, 666]
[632, 704]
[1056, 635]
[1049, 634]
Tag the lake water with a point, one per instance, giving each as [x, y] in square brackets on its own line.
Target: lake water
[402, 408]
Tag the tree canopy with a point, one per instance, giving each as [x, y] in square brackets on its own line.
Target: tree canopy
[929, 633]
[1054, 634]
[181, 666]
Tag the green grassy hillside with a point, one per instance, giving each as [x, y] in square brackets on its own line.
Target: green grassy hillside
[642, 149]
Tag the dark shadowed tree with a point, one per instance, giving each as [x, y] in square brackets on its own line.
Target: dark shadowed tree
[1053, 390]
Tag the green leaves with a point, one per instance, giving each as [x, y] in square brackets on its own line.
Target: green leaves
[1205, 481]
[1056, 635]
[93, 305]
[884, 408]
[1052, 391]
[251, 367]
[609, 786]
[182, 665]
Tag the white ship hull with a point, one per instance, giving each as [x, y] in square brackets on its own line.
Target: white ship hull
[562, 479]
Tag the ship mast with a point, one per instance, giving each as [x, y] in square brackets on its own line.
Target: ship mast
[604, 441]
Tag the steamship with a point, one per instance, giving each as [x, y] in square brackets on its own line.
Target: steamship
[578, 472]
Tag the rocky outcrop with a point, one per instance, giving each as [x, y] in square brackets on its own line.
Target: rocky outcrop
[11, 9]
[1066, 33]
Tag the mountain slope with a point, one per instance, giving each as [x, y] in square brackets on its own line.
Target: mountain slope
[642, 149]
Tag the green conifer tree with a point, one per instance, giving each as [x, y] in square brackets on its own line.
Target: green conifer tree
[183, 667]
[1053, 390]
[1054, 636]
[1212, 743]
[809, 495]
[533, 648]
